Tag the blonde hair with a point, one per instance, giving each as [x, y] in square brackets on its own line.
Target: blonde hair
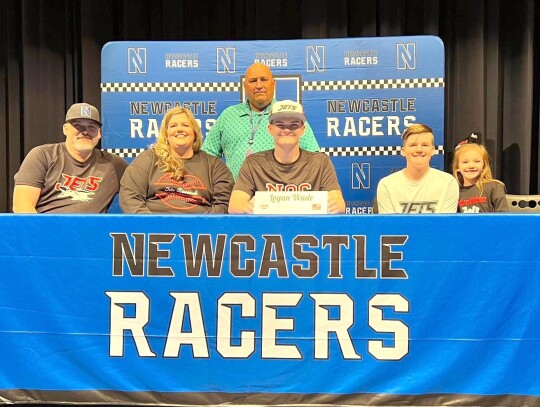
[485, 175]
[166, 162]
[417, 128]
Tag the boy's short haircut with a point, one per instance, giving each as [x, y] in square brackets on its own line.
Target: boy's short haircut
[416, 128]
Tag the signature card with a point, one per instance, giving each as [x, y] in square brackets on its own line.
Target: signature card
[291, 202]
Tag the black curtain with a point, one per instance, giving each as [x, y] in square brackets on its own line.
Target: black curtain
[50, 58]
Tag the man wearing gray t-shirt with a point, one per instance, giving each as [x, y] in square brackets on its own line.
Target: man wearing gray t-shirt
[287, 167]
[69, 177]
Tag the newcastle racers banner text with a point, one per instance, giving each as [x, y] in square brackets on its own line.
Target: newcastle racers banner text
[118, 309]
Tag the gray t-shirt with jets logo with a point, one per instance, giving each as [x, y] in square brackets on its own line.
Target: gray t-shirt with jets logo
[68, 185]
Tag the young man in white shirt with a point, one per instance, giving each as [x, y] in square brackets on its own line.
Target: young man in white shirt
[418, 188]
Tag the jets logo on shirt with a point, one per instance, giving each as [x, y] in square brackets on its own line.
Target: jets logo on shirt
[181, 195]
[419, 207]
[470, 205]
[77, 188]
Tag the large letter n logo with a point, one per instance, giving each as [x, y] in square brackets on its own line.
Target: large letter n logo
[226, 60]
[361, 175]
[406, 56]
[136, 60]
[315, 58]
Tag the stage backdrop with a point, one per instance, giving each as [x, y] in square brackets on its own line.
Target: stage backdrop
[401, 310]
[359, 95]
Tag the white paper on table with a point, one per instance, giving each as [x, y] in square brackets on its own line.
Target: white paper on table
[291, 202]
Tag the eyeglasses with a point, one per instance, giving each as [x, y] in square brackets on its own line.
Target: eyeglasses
[291, 127]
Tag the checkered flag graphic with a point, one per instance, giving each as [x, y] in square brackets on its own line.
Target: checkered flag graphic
[117, 87]
[125, 152]
[368, 151]
[374, 84]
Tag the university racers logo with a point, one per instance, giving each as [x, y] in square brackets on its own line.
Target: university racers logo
[360, 57]
[181, 195]
[272, 59]
[181, 60]
[77, 188]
